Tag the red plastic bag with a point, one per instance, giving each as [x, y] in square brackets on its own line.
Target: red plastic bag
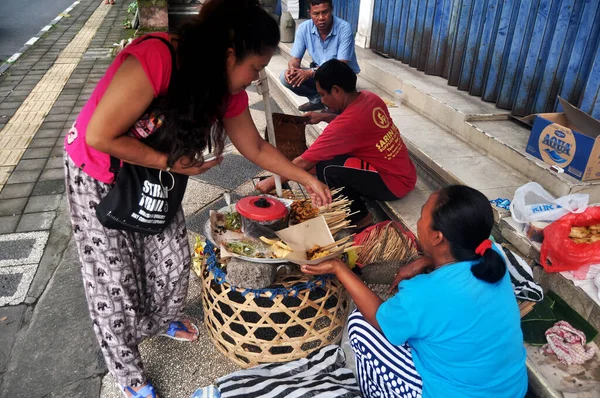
[559, 252]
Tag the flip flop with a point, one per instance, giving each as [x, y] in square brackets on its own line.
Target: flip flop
[177, 326]
[147, 391]
[207, 392]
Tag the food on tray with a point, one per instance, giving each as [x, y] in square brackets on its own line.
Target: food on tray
[302, 210]
[228, 221]
[316, 252]
[258, 249]
[233, 221]
[249, 230]
[279, 252]
[247, 247]
[285, 194]
[278, 248]
[589, 234]
[336, 214]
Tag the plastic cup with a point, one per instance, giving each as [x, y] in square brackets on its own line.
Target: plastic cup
[398, 98]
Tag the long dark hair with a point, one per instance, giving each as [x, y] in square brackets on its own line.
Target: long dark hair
[465, 217]
[198, 93]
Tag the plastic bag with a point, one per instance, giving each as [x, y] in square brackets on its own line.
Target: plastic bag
[561, 253]
[534, 203]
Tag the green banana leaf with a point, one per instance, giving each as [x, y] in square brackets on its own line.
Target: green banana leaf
[546, 313]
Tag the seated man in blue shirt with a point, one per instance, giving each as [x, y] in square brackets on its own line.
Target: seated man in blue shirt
[325, 37]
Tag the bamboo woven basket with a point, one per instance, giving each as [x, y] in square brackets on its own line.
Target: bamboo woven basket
[254, 329]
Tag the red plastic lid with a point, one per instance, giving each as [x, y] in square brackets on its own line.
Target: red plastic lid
[261, 208]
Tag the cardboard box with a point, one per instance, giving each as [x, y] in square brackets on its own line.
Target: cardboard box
[569, 140]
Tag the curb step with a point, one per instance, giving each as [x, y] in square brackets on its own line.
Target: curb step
[482, 125]
[418, 133]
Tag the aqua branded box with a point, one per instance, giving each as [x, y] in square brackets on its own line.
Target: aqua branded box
[569, 140]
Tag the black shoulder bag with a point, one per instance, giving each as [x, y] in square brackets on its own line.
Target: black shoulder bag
[142, 199]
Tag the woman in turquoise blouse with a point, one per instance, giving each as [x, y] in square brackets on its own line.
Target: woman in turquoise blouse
[452, 332]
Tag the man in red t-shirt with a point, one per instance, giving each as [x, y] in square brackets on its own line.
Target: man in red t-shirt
[361, 150]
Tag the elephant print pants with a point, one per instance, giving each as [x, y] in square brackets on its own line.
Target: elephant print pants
[135, 284]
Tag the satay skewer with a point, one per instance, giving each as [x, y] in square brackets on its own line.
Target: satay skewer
[339, 242]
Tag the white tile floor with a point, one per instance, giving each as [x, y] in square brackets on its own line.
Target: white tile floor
[14, 283]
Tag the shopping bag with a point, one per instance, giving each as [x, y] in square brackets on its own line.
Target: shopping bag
[533, 203]
[561, 253]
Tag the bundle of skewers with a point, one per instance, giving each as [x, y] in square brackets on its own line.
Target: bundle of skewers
[344, 244]
[336, 214]
[386, 242]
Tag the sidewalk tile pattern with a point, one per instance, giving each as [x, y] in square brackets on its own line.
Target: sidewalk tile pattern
[23, 248]
[14, 283]
[18, 133]
[22, 152]
[19, 257]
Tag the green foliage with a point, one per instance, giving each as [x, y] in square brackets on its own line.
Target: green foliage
[132, 8]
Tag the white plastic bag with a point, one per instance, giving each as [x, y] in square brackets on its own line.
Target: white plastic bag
[533, 203]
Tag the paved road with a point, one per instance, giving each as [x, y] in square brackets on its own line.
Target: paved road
[20, 20]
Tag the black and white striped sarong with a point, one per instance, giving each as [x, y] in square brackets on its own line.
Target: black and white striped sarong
[382, 369]
[521, 277]
[320, 375]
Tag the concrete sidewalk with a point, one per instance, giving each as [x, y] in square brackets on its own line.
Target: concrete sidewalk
[47, 348]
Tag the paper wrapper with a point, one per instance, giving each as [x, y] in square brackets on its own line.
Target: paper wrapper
[302, 237]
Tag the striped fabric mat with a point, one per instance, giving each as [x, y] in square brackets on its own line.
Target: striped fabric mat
[320, 375]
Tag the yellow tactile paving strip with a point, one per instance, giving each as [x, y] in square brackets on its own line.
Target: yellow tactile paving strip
[19, 131]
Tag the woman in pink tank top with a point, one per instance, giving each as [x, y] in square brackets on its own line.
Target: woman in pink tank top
[136, 284]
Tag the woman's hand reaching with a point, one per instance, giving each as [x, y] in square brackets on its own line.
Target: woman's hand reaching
[182, 166]
[319, 192]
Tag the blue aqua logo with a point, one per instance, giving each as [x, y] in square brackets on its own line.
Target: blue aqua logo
[559, 146]
[555, 156]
